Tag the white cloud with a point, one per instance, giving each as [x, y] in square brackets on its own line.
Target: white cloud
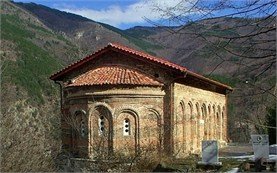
[134, 13]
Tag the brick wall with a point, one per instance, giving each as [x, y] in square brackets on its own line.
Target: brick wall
[173, 118]
[197, 116]
[141, 106]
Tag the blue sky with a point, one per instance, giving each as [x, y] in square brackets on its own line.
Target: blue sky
[124, 14]
[119, 13]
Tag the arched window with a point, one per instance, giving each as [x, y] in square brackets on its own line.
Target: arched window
[126, 127]
[81, 122]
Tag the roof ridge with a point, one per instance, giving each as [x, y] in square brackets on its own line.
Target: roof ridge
[139, 54]
[122, 48]
[146, 55]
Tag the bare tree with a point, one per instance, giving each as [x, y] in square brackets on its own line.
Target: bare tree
[241, 34]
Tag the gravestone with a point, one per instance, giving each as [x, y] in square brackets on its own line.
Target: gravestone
[273, 149]
[260, 145]
[210, 153]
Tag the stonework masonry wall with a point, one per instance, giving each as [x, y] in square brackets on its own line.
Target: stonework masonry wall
[198, 115]
[141, 108]
[174, 118]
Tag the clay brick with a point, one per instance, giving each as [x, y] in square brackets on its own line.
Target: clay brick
[169, 109]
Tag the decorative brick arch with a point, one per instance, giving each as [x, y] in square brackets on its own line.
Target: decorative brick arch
[155, 129]
[78, 110]
[219, 122]
[179, 129]
[193, 124]
[209, 109]
[210, 122]
[157, 112]
[135, 131]
[198, 126]
[79, 130]
[205, 117]
[100, 141]
[198, 112]
[223, 123]
[94, 105]
[184, 130]
[126, 109]
[71, 119]
[215, 122]
[190, 103]
[187, 127]
[80, 114]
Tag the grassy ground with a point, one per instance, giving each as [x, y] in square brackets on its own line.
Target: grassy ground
[189, 164]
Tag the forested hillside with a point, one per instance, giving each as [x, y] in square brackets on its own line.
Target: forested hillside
[37, 41]
[30, 53]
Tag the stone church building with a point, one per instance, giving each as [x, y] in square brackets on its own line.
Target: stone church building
[120, 100]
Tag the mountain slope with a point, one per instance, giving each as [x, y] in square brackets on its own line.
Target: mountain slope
[34, 45]
[30, 53]
[193, 45]
[90, 35]
[196, 47]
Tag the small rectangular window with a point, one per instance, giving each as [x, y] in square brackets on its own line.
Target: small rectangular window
[101, 125]
[126, 127]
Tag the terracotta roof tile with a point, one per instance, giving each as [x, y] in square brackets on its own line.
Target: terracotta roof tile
[138, 54]
[113, 75]
[147, 56]
[118, 47]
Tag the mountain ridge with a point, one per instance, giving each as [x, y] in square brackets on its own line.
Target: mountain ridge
[89, 34]
[31, 51]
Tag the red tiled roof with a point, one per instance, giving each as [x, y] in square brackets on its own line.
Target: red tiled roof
[138, 54]
[120, 48]
[113, 75]
[149, 57]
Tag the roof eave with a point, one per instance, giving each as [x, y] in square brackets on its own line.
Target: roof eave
[210, 80]
[116, 47]
[105, 84]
